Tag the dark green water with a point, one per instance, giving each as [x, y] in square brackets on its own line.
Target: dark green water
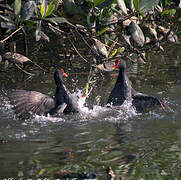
[135, 146]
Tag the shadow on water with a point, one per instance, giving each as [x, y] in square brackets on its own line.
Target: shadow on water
[134, 145]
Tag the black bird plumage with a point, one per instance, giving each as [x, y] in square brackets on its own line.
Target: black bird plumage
[33, 102]
[123, 91]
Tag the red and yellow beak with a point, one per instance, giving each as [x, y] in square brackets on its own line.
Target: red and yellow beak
[116, 64]
[64, 74]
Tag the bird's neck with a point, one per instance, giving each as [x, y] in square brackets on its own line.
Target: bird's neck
[59, 87]
[59, 94]
[58, 83]
[122, 76]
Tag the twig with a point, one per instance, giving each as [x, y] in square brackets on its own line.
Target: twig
[25, 41]
[90, 76]
[23, 70]
[83, 38]
[138, 52]
[133, 48]
[112, 46]
[7, 8]
[78, 51]
[113, 41]
[60, 31]
[2, 41]
[39, 66]
[71, 41]
[90, 47]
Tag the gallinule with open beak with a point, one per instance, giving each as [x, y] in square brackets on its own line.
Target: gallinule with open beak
[33, 102]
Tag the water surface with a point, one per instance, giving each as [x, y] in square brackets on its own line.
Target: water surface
[136, 146]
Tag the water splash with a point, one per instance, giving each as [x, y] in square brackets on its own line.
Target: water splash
[44, 119]
[113, 113]
[101, 113]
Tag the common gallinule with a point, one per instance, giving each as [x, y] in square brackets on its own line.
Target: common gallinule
[122, 88]
[123, 91]
[33, 102]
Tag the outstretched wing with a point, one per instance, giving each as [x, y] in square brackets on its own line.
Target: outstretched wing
[28, 102]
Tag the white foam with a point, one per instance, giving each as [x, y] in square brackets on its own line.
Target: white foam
[113, 113]
[48, 118]
[98, 112]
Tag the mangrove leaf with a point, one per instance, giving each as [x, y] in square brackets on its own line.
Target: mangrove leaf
[6, 18]
[8, 25]
[136, 4]
[147, 5]
[170, 12]
[17, 7]
[28, 10]
[15, 58]
[132, 5]
[96, 2]
[56, 3]
[41, 35]
[91, 21]
[101, 48]
[70, 7]
[164, 3]
[137, 34]
[42, 8]
[49, 10]
[105, 4]
[102, 31]
[57, 20]
[122, 6]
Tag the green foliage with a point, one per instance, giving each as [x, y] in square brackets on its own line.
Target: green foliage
[164, 3]
[136, 4]
[102, 31]
[144, 6]
[170, 12]
[57, 20]
[95, 2]
[42, 7]
[122, 6]
[100, 3]
[47, 10]
[102, 17]
[147, 5]
[17, 7]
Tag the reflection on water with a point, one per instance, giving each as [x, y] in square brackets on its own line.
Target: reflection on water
[134, 145]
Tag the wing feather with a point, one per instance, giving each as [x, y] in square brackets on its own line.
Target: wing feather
[27, 102]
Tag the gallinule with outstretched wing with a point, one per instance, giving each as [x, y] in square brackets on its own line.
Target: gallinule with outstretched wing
[33, 102]
[123, 91]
